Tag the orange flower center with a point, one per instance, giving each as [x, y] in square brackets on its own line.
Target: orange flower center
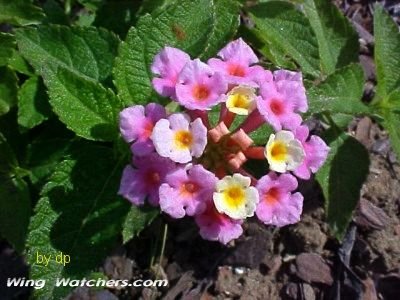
[147, 129]
[236, 70]
[189, 188]
[276, 107]
[272, 196]
[200, 92]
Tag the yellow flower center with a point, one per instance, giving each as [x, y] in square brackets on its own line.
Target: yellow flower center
[183, 139]
[234, 197]
[278, 151]
[238, 103]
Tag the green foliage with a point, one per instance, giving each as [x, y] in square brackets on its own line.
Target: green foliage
[79, 214]
[86, 51]
[337, 40]
[282, 24]
[20, 12]
[387, 54]
[46, 150]
[33, 105]
[392, 123]
[85, 106]
[8, 89]
[339, 93]
[387, 60]
[7, 45]
[15, 206]
[341, 179]
[137, 219]
[122, 18]
[176, 27]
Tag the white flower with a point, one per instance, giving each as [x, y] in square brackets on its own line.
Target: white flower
[241, 100]
[235, 197]
[284, 152]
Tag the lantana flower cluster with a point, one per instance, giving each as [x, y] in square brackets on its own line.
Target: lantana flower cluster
[187, 167]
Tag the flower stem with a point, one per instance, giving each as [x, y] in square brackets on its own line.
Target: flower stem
[164, 241]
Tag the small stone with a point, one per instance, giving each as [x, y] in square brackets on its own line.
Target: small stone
[291, 290]
[363, 131]
[397, 230]
[271, 264]
[368, 66]
[369, 290]
[310, 267]
[118, 268]
[369, 215]
[381, 146]
[308, 292]
[239, 270]
[392, 157]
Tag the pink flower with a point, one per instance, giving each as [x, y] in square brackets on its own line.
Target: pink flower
[277, 109]
[136, 125]
[178, 138]
[290, 85]
[167, 64]
[278, 206]
[236, 63]
[215, 226]
[186, 191]
[145, 180]
[199, 87]
[315, 150]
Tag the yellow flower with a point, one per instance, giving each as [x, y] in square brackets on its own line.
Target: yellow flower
[241, 100]
[235, 197]
[284, 152]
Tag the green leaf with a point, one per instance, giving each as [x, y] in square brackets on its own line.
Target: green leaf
[20, 12]
[43, 155]
[342, 120]
[79, 214]
[15, 210]
[271, 51]
[46, 151]
[54, 13]
[392, 101]
[225, 24]
[8, 90]
[261, 135]
[8, 161]
[341, 92]
[387, 54]
[136, 220]
[175, 27]
[7, 46]
[19, 64]
[121, 18]
[392, 124]
[281, 24]
[85, 106]
[15, 207]
[154, 7]
[91, 4]
[86, 51]
[33, 105]
[337, 40]
[341, 179]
